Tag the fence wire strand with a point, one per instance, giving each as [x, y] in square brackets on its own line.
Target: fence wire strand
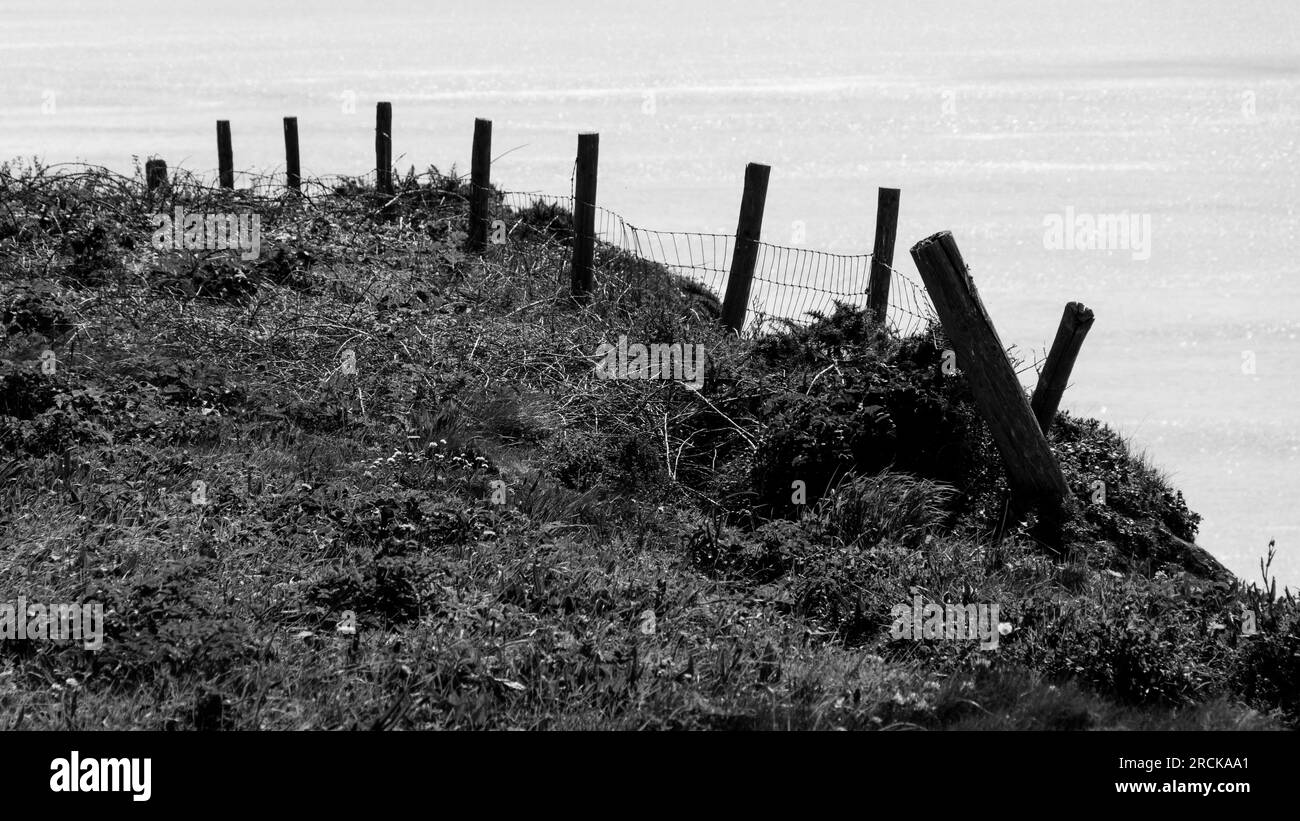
[790, 284]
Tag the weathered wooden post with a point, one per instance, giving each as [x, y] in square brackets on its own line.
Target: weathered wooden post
[584, 217]
[748, 230]
[1075, 324]
[225, 157]
[480, 179]
[384, 148]
[292, 170]
[882, 254]
[1036, 478]
[155, 174]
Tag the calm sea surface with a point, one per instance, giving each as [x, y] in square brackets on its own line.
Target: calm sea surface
[989, 116]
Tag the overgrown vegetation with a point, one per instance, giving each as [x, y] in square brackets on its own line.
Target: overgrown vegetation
[233, 455]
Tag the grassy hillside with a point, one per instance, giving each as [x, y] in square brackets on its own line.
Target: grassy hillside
[238, 456]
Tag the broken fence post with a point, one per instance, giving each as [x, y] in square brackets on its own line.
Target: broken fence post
[1035, 476]
[1075, 323]
[155, 174]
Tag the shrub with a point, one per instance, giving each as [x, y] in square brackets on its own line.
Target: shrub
[36, 309]
[1142, 641]
[894, 507]
[170, 623]
[90, 246]
[859, 400]
[545, 221]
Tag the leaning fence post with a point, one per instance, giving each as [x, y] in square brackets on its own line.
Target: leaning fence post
[584, 216]
[1075, 324]
[292, 170]
[882, 254]
[1036, 478]
[745, 254]
[155, 174]
[225, 157]
[384, 148]
[480, 178]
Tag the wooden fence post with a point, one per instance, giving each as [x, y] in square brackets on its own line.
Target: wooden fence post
[225, 157]
[745, 254]
[1035, 476]
[384, 148]
[292, 170]
[584, 216]
[882, 254]
[480, 178]
[1075, 324]
[155, 174]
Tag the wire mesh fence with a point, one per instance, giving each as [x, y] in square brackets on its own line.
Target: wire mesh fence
[789, 284]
